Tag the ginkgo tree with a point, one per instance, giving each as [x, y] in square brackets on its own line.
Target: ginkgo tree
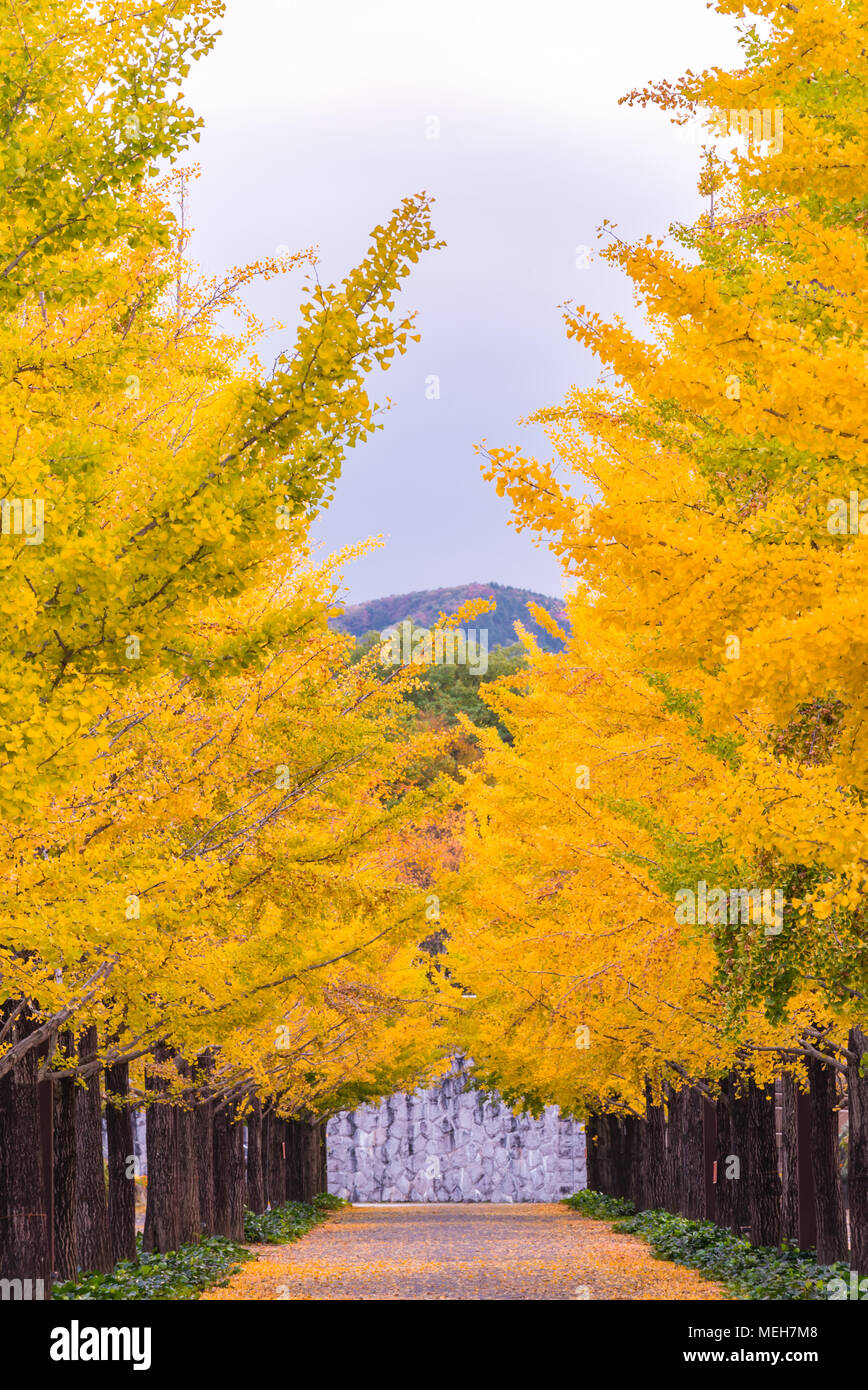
[212, 831]
[711, 523]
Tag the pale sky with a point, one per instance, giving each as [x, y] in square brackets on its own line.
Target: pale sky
[317, 122]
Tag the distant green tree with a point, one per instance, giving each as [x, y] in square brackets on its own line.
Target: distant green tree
[451, 688]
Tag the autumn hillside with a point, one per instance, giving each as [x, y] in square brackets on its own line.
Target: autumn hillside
[424, 605]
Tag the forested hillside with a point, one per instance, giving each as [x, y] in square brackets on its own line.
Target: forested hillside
[424, 606]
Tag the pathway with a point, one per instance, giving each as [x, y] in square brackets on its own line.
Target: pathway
[463, 1251]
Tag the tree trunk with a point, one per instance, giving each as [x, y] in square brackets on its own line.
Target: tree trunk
[324, 1158]
[789, 1160]
[655, 1153]
[616, 1155]
[831, 1228]
[739, 1156]
[162, 1217]
[276, 1161]
[203, 1138]
[634, 1149]
[189, 1216]
[628, 1157]
[92, 1238]
[857, 1149]
[674, 1170]
[229, 1182]
[265, 1145]
[24, 1234]
[302, 1160]
[592, 1151]
[255, 1183]
[65, 1201]
[692, 1155]
[709, 1145]
[607, 1151]
[608, 1156]
[733, 1166]
[121, 1163]
[764, 1190]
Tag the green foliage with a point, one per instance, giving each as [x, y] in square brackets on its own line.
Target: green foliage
[327, 1201]
[598, 1205]
[450, 690]
[746, 1271]
[689, 706]
[280, 1225]
[180, 1274]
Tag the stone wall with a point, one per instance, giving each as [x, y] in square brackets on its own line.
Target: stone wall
[450, 1145]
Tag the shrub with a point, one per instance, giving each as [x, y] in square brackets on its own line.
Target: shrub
[280, 1225]
[746, 1271]
[599, 1206]
[179, 1274]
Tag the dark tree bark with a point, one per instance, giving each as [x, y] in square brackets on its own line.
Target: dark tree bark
[24, 1234]
[265, 1145]
[857, 1147]
[607, 1155]
[255, 1183]
[65, 1202]
[722, 1188]
[733, 1158]
[302, 1160]
[189, 1216]
[655, 1153]
[789, 1160]
[276, 1161]
[229, 1179]
[692, 1155]
[324, 1158]
[162, 1214]
[609, 1144]
[616, 1150]
[709, 1135]
[739, 1135]
[674, 1166]
[203, 1138]
[592, 1151]
[831, 1227]
[602, 1153]
[627, 1157]
[92, 1238]
[764, 1190]
[634, 1155]
[726, 1187]
[121, 1163]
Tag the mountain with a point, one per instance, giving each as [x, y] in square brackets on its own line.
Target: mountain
[424, 605]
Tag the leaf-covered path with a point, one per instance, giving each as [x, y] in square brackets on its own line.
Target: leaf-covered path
[439, 1251]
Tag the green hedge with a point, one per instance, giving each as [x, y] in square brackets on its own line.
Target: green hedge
[746, 1271]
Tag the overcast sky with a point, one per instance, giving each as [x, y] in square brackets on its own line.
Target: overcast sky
[317, 123]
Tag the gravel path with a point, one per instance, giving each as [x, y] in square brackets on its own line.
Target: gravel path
[463, 1251]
